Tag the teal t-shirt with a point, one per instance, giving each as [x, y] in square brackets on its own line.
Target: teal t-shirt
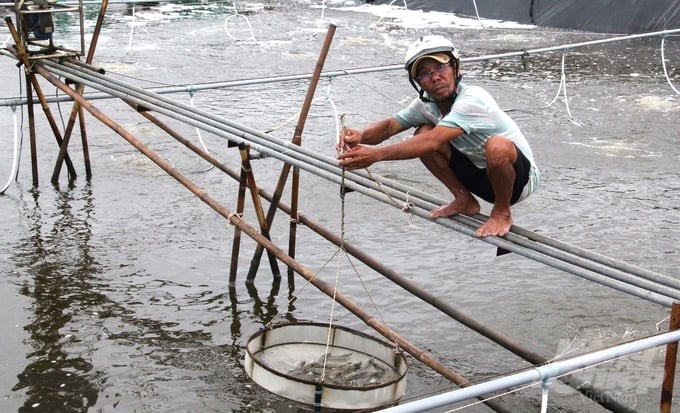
[476, 112]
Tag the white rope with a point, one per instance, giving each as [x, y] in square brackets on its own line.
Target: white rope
[15, 152]
[198, 132]
[404, 1]
[474, 3]
[132, 28]
[663, 62]
[330, 321]
[563, 88]
[237, 14]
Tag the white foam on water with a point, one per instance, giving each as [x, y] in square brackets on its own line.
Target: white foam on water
[623, 149]
[660, 103]
[419, 19]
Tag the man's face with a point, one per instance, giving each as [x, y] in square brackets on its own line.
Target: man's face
[438, 79]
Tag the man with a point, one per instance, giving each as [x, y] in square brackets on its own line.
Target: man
[461, 136]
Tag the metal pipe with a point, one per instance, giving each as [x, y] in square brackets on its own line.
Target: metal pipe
[536, 237]
[598, 263]
[537, 374]
[269, 138]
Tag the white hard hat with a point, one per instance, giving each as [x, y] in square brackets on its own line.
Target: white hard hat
[424, 46]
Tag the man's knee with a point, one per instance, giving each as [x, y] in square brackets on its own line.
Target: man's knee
[500, 150]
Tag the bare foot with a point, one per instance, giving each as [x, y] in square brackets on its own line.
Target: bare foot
[467, 206]
[498, 224]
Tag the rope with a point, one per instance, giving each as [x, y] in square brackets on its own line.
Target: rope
[372, 88]
[663, 63]
[563, 88]
[390, 4]
[132, 29]
[15, 159]
[474, 3]
[198, 132]
[237, 14]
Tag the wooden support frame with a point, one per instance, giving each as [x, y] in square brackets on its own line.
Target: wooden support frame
[285, 171]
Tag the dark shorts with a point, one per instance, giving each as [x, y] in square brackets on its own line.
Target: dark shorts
[476, 181]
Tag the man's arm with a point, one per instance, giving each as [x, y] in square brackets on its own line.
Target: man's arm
[363, 156]
[373, 134]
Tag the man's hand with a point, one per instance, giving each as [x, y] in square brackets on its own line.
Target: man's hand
[359, 157]
[349, 138]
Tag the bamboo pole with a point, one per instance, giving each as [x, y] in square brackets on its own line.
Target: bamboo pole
[242, 180]
[85, 145]
[671, 360]
[236, 242]
[297, 140]
[31, 132]
[234, 219]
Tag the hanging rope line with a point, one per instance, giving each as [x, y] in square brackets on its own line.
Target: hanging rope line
[237, 14]
[663, 63]
[563, 88]
[474, 3]
[15, 153]
[132, 29]
[343, 192]
[198, 132]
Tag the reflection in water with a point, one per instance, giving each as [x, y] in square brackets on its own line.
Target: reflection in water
[59, 375]
[92, 347]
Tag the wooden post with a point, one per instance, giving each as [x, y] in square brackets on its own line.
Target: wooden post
[669, 366]
[31, 130]
[297, 140]
[236, 245]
